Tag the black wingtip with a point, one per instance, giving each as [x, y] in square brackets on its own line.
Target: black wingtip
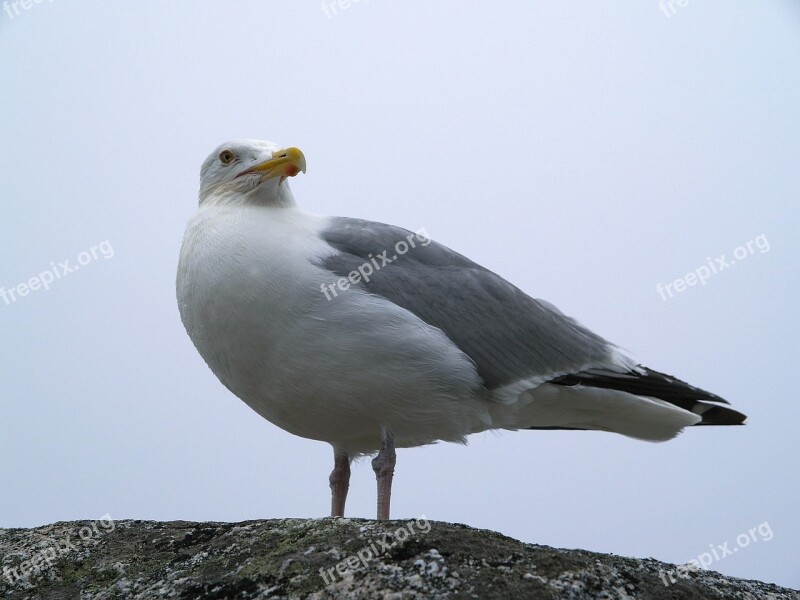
[722, 415]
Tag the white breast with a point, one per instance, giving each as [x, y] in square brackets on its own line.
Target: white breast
[337, 370]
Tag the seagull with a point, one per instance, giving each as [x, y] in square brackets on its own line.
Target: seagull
[371, 337]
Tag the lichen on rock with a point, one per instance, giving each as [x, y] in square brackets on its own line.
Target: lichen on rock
[330, 558]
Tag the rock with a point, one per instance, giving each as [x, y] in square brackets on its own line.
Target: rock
[331, 558]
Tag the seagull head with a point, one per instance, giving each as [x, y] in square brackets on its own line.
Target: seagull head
[250, 171]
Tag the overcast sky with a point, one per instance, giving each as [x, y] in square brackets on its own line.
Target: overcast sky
[588, 152]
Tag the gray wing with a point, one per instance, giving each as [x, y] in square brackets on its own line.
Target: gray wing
[508, 335]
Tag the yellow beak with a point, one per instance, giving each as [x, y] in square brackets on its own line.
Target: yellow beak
[284, 163]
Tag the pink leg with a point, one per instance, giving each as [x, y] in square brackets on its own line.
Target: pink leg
[340, 482]
[383, 465]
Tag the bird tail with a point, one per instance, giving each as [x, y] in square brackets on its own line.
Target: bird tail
[642, 404]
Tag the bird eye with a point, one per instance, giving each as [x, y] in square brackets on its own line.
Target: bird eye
[226, 156]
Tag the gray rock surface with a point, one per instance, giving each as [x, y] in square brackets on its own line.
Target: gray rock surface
[330, 558]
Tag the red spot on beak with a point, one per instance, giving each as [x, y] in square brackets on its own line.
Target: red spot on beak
[291, 170]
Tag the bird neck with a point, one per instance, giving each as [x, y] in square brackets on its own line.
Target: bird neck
[276, 194]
